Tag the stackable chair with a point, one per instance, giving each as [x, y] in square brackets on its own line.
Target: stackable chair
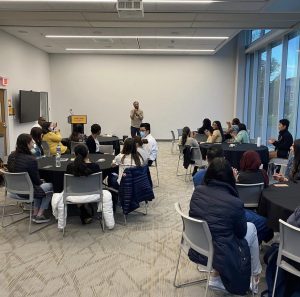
[19, 184]
[82, 186]
[195, 235]
[288, 250]
[250, 194]
[173, 141]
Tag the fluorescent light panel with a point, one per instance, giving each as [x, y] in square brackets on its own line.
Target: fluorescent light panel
[139, 50]
[114, 1]
[136, 37]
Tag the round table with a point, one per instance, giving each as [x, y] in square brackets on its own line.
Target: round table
[55, 175]
[234, 154]
[279, 202]
[110, 140]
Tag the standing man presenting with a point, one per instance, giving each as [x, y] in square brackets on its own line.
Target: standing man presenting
[136, 116]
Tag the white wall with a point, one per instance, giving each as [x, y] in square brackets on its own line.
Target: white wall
[27, 69]
[173, 91]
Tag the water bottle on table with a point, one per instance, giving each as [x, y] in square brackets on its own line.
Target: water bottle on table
[57, 156]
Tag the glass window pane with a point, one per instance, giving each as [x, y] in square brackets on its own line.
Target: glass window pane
[273, 105]
[250, 91]
[255, 34]
[262, 59]
[291, 91]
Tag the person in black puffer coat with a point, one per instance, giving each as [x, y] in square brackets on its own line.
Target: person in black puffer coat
[235, 241]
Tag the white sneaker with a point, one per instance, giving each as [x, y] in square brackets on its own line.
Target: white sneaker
[254, 284]
[215, 283]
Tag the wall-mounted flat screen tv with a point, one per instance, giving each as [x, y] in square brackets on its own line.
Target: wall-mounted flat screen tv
[29, 106]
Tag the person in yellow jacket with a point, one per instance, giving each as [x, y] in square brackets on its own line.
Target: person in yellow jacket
[53, 137]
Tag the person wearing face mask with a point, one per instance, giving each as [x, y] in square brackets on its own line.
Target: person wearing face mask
[136, 116]
[150, 142]
[52, 136]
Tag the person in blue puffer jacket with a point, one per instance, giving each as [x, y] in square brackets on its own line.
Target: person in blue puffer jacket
[236, 250]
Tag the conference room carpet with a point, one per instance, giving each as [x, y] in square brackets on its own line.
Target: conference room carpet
[135, 260]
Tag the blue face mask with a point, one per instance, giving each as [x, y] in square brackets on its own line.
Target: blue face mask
[142, 134]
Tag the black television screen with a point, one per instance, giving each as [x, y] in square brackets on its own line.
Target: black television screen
[29, 106]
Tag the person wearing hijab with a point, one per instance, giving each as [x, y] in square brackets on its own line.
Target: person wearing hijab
[250, 172]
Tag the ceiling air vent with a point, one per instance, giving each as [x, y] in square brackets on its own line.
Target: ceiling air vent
[130, 9]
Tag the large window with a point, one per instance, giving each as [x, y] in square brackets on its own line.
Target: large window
[274, 88]
[260, 93]
[291, 84]
[258, 33]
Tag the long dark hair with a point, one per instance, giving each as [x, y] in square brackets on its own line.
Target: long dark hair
[129, 148]
[218, 123]
[45, 127]
[220, 170]
[296, 165]
[36, 134]
[22, 144]
[185, 134]
[80, 167]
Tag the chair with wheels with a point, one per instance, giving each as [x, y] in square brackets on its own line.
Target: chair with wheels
[82, 186]
[195, 235]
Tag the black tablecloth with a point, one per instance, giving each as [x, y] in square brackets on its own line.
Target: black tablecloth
[55, 175]
[279, 203]
[110, 140]
[234, 154]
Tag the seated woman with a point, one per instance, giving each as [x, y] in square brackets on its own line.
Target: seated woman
[82, 166]
[140, 149]
[53, 137]
[129, 157]
[235, 243]
[77, 134]
[242, 136]
[187, 138]
[36, 134]
[293, 167]
[250, 173]
[206, 125]
[21, 160]
[217, 135]
[92, 141]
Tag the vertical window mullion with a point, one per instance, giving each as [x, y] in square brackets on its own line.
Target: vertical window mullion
[254, 94]
[246, 100]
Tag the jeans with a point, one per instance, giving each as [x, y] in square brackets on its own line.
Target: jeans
[134, 131]
[251, 238]
[264, 233]
[43, 203]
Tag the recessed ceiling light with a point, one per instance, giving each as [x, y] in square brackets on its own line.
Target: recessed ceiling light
[140, 50]
[23, 31]
[135, 37]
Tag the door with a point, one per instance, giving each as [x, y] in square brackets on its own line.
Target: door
[3, 146]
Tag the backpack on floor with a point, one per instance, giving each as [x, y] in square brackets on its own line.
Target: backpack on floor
[270, 258]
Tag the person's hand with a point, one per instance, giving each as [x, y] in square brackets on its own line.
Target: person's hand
[279, 177]
[235, 173]
[271, 140]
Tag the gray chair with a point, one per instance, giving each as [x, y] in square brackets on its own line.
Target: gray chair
[201, 137]
[250, 193]
[154, 164]
[180, 157]
[288, 249]
[107, 149]
[46, 148]
[195, 235]
[83, 185]
[277, 162]
[173, 141]
[196, 157]
[18, 184]
[179, 132]
[73, 144]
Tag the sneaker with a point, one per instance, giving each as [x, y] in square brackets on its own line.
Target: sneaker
[215, 283]
[41, 219]
[33, 218]
[254, 284]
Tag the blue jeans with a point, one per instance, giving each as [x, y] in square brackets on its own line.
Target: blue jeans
[134, 131]
[264, 233]
[43, 203]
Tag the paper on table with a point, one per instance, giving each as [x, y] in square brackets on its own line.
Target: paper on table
[281, 185]
[48, 166]
[100, 160]
[64, 159]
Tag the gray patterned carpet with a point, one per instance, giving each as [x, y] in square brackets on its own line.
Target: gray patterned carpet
[135, 260]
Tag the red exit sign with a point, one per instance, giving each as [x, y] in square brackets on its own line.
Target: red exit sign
[4, 81]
